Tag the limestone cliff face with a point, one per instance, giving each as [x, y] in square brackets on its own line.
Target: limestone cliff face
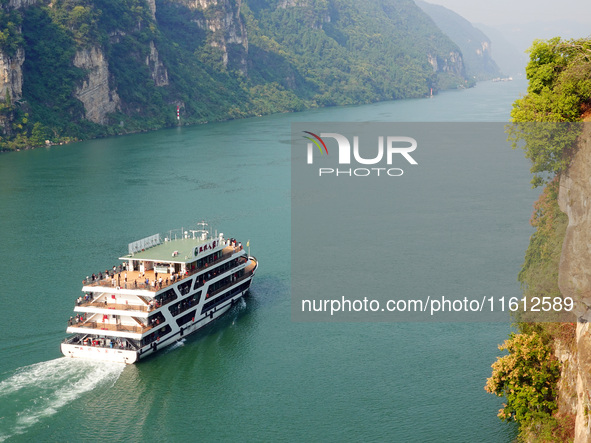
[157, 69]
[95, 94]
[452, 63]
[11, 75]
[575, 281]
[291, 3]
[228, 31]
[484, 48]
[152, 6]
[16, 4]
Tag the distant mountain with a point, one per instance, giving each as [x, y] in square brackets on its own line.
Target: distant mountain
[474, 44]
[523, 34]
[512, 40]
[509, 55]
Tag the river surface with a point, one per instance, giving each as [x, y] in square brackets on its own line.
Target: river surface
[255, 375]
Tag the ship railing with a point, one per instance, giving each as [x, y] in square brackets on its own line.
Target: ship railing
[95, 342]
[73, 340]
[112, 282]
[114, 279]
[110, 327]
[119, 307]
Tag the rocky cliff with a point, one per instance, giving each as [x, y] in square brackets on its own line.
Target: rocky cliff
[16, 4]
[96, 95]
[157, 68]
[227, 31]
[575, 281]
[11, 62]
[11, 74]
[451, 63]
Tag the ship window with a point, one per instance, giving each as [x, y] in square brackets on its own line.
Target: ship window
[222, 298]
[155, 320]
[185, 287]
[198, 282]
[189, 316]
[185, 304]
[156, 335]
[166, 297]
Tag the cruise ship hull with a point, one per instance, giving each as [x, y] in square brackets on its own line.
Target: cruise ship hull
[158, 298]
[130, 357]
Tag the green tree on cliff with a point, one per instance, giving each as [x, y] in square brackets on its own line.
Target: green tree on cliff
[559, 92]
[526, 377]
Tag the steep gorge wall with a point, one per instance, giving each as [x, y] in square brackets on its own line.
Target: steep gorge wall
[11, 75]
[224, 21]
[98, 99]
[575, 281]
[453, 63]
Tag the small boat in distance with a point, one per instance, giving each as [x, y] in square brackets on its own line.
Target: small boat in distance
[165, 288]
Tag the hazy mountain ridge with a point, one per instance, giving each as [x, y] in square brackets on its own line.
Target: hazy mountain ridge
[475, 45]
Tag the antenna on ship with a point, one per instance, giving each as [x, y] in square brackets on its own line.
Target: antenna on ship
[203, 229]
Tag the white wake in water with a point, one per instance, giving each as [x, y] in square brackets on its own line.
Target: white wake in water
[40, 390]
[177, 344]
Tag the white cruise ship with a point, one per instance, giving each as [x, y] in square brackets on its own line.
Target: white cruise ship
[165, 288]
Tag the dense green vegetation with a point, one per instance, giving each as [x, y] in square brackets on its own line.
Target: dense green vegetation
[346, 51]
[559, 93]
[272, 56]
[10, 37]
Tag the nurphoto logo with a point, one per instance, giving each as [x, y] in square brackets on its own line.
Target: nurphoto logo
[395, 145]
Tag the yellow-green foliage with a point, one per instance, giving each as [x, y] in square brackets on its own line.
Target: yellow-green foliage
[526, 377]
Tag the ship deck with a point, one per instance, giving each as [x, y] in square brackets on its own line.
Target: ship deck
[137, 279]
